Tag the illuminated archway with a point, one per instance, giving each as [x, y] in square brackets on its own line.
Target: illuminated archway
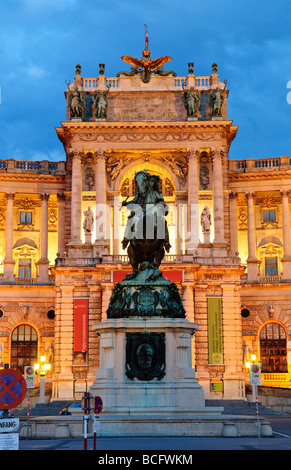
[273, 347]
[23, 347]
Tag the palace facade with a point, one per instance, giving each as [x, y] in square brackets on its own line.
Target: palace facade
[228, 222]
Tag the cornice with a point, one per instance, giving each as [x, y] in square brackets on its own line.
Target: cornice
[185, 125]
[32, 177]
[283, 174]
[153, 131]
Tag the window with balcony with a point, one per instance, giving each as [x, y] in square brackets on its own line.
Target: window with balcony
[271, 266]
[273, 348]
[24, 271]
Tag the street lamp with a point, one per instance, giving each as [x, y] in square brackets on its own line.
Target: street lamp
[42, 369]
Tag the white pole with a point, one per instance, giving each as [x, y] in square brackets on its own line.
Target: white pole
[42, 389]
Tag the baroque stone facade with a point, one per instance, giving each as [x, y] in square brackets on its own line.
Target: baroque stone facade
[228, 223]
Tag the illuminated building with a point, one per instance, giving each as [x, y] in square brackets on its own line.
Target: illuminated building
[234, 278]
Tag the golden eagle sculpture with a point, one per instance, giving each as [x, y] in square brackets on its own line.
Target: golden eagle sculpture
[145, 66]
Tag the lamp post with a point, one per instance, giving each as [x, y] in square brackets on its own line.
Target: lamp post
[42, 368]
[255, 381]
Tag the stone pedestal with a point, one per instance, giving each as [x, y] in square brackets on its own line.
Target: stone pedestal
[145, 367]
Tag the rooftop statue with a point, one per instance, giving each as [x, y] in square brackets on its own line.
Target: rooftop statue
[76, 102]
[216, 99]
[145, 66]
[191, 100]
[101, 104]
[146, 232]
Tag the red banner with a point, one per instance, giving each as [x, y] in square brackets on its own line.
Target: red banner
[173, 275]
[81, 325]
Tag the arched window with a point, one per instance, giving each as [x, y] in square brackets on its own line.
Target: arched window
[273, 348]
[23, 347]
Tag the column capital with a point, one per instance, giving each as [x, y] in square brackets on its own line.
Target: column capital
[232, 196]
[75, 154]
[285, 193]
[61, 197]
[193, 154]
[44, 197]
[10, 196]
[100, 155]
[217, 153]
[250, 195]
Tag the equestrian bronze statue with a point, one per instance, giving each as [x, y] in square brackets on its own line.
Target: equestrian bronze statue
[146, 233]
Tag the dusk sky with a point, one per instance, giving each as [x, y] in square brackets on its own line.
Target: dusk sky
[43, 40]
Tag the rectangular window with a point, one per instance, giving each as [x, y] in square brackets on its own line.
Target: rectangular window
[271, 266]
[24, 268]
[269, 215]
[25, 217]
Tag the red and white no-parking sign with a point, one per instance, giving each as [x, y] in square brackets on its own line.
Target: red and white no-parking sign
[12, 388]
[98, 405]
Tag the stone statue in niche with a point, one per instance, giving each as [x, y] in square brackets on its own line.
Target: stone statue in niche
[216, 99]
[192, 100]
[205, 219]
[204, 177]
[101, 103]
[88, 220]
[76, 103]
[90, 178]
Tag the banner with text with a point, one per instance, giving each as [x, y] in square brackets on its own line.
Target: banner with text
[81, 325]
[215, 340]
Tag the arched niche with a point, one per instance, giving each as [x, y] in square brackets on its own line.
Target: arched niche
[153, 168]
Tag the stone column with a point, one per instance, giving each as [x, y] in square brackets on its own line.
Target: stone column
[8, 260]
[43, 264]
[201, 335]
[193, 209]
[252, 259]
[218, 204]
[286, 260]
[102, 226]
[76, 198]
[233, 223]
[63, 379]
[61, 223]
[188, 304]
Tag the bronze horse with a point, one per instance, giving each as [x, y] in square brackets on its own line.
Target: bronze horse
[147, 204]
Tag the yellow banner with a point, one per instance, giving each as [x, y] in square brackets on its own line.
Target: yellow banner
[215, 340]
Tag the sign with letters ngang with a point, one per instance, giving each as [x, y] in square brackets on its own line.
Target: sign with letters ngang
[81, 325]
[215, 340]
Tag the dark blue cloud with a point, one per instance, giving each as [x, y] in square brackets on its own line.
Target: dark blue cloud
[42, 41]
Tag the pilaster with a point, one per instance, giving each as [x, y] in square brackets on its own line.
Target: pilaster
[252, 261]
[43, 262]
[8, 260]
[286, 260]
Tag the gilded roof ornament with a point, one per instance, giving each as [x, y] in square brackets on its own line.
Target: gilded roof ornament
[145, 66]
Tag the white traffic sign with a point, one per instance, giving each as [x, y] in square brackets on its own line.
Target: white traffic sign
[9, 424]
[9, 441]
[29, 375]
[255, 375]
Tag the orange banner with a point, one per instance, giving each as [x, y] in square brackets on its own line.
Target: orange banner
[81, 325]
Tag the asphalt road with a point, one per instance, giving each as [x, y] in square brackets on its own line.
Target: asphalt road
[135, 448]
